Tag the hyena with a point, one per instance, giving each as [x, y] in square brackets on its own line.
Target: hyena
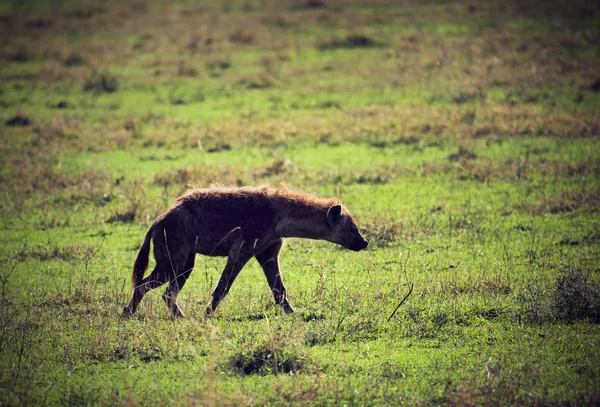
[239, 223]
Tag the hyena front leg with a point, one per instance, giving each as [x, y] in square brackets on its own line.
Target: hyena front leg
[237, 259]
[269, 260]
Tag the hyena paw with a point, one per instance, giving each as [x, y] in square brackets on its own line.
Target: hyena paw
[287, 307]
[176, 312]
[127, 312]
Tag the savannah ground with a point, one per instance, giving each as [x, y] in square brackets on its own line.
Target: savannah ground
[463, 136]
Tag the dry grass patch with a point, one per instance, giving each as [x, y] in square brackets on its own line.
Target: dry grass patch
[350, 40]
[582, 199]
[573, 295]
[53, 252]
[203, 176]
[265, 360]
[494, 285]
[20, 119]
[383, 233]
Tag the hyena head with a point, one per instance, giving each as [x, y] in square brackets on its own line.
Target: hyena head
[343, 230]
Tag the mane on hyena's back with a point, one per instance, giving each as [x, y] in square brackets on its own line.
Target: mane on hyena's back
[281, 196]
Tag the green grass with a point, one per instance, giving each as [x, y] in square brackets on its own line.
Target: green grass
[463, 138]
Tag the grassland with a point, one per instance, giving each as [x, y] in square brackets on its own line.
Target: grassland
[463, 136]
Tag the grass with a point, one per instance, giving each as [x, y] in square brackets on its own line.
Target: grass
[463, 137]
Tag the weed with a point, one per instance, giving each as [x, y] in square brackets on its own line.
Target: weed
[578, 200]
[383, 234]
[263, 360]
[102, 83]
[465, 97]
[463, 153]
[575, 296]
[184, 69]
[484, 287]
[45, 253]
[19, 119]
[218, 62]
[61, 105]
[277, 167]
[21, 54]
[408, 140]
[350, 40]
[219, 146]
[73, 59]
[201, 176]
[257, 82]
[491, 313]
[125, 217]
[497, 390]
[316, 335]
[307, 4]
[244, 35]
[572, 296]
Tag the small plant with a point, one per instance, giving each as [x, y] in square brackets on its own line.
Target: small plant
[219, 146]
[51, 252]
[218, 62]
[21, 54]
[383, 234]
[575, 296]
[258, 82]
[277, 167]
[135, 195]
[265, 360]
[73, 59]
[464, 152]
[103, 83]
[351, 40]
[125, 217]
[465, 97]
[307, 4]
[185, 69]
[244, 35]
[19, 119]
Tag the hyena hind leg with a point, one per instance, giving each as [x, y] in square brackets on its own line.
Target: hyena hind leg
[176, 283]
[158, 277]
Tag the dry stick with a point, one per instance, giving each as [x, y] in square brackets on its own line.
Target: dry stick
[4, 278]
[95, 252]
[402, 302]
[338, 325]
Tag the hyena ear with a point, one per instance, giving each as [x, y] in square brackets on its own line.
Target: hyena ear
[334, 214]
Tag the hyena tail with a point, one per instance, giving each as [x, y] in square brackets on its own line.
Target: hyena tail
[141, 262]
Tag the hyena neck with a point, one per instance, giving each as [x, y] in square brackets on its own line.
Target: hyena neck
[304, 221]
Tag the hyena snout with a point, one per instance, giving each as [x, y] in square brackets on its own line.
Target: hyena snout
[354, 241]
[359, 244]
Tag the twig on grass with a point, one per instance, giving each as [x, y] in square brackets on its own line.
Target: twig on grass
[4, 278]
[401, 302]
[94, 253]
